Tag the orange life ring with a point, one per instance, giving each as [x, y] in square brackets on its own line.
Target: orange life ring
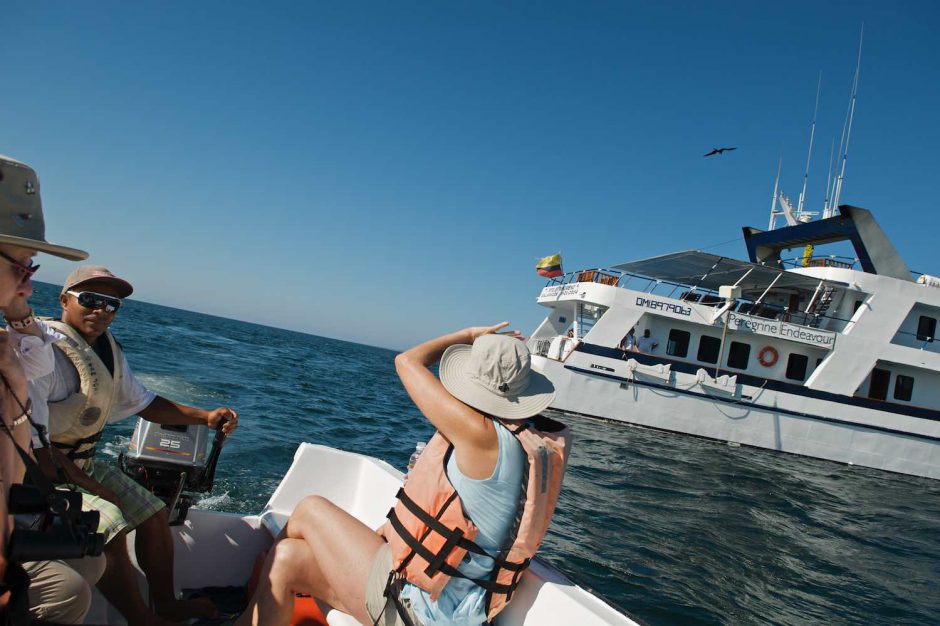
[768, 356]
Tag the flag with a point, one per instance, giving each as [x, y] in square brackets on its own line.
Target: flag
[807, 254]
[550, 266]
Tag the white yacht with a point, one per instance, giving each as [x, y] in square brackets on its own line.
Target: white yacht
[827, 357]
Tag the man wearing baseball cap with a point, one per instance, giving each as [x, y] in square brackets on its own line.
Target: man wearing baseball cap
[90, 386]
[57, 591]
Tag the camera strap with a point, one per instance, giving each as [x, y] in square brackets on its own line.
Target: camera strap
[36, 477]
[33, 472]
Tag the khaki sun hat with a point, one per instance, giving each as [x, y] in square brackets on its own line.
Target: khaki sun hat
[495, 376]
[21, 222]
[96, 273]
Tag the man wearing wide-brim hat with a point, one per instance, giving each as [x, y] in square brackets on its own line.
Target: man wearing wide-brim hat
[56, 591]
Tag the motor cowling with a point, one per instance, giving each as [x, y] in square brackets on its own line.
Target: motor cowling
[173, 462]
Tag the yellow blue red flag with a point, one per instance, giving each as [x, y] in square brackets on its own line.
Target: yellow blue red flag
[549, 266]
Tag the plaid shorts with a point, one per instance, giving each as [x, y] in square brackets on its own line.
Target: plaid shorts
[110, 520]
[137, 504]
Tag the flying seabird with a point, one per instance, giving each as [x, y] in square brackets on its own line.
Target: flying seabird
[719, 151]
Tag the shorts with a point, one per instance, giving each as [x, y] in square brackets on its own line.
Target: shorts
[137, 504]
[110, 520]
[60, 591]
[376, 601]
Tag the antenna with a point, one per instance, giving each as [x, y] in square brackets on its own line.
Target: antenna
[809, 155]
[832, 190]
[832, 149]
[848, 135]
[773, 200]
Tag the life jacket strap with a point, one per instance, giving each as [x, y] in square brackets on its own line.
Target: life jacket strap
[72, 447]
[441, 565]
[84, 454]
[436, 525]
[400, 607]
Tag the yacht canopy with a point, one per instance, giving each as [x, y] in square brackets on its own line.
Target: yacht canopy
[710, 271]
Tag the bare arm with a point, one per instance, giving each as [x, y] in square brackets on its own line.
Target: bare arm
[50, 459]
[11, 466]
[164, 411]
[473, 435]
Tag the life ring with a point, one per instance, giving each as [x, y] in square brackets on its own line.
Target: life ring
[768, 356]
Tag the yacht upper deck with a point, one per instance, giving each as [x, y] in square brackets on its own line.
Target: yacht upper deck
[694, 277]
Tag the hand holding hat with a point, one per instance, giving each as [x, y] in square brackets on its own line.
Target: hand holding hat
[476, 332]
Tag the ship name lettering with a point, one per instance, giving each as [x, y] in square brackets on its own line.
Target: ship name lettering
[796, 332]
[753, 325]
[664, 306]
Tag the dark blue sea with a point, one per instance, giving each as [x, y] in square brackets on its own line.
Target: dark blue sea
[669, 529]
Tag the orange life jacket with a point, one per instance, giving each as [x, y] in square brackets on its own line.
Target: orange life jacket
[429, 535]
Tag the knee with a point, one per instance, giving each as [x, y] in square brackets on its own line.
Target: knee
[313, 507]
[314, 504]
[158, 520]
[62, 596]
[309, 511]
[118, 544]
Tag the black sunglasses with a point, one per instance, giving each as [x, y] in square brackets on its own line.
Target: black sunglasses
[26, 271]
[92, 300]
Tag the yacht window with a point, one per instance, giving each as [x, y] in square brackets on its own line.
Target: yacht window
[708, 348]
[858, 303]
[588, 314]
[738, 355]
[926, 328]
[903, 388]
[878, 387]
[796, 366]
[678, 344]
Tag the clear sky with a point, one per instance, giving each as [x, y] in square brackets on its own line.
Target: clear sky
[385, 172]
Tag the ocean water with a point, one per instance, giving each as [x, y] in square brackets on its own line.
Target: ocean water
[669, 529]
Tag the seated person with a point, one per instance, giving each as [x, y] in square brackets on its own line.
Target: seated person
[382, 577]
[43, 589]
[78, 410]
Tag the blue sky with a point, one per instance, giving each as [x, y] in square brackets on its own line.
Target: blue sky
[385, 172]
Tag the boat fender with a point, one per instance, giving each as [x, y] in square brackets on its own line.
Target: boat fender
[768, 356]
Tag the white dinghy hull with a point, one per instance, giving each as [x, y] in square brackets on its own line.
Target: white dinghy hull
[219, 549]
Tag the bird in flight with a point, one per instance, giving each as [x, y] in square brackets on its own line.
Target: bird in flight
[719, 151]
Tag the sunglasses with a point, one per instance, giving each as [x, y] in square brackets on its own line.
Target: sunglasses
[25, 271]
[92, 300]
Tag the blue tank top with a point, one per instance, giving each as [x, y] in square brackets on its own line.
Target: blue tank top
[491, 505]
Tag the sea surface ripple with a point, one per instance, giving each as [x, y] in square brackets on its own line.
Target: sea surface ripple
[668, 528]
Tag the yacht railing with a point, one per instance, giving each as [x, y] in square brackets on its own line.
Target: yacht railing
[832, 260]
[699, 295]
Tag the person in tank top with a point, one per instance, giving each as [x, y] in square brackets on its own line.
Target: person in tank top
[327, 553]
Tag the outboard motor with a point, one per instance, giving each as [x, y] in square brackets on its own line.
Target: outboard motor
[172, 463]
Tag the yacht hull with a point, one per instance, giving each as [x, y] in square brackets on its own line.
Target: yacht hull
[694, 404]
